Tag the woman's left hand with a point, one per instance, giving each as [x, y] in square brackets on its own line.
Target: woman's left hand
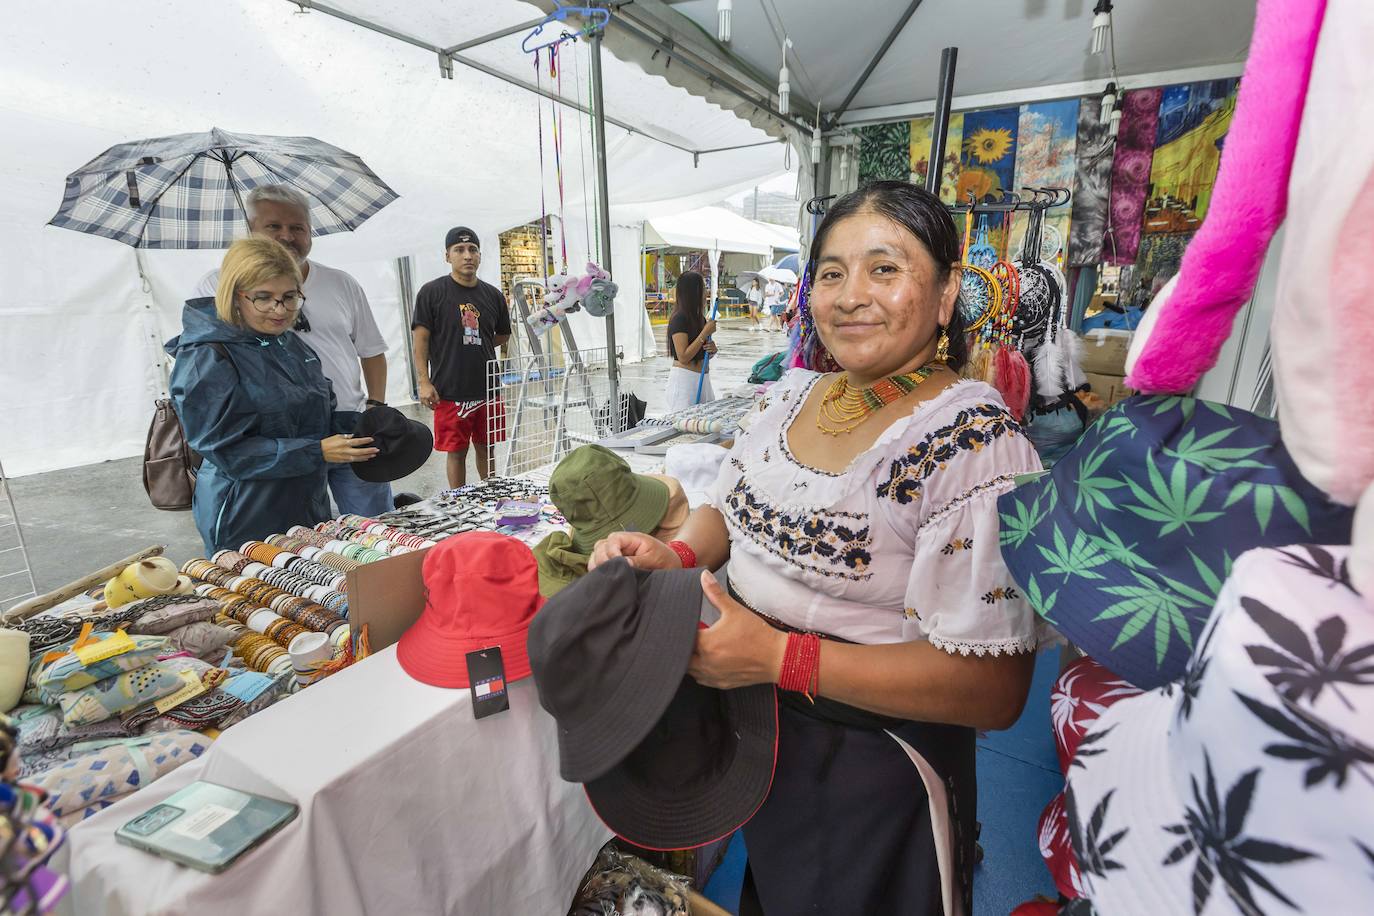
[709, 347]
[740, 649]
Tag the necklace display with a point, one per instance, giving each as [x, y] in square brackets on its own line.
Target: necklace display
[844, 407]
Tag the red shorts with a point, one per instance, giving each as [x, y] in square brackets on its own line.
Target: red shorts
[452, 433]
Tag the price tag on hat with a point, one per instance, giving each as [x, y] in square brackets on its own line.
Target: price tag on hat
[487, 677]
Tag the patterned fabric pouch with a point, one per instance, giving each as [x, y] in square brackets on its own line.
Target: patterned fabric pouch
[114, 695]
[169, 612]
[208, 710]
[106, 775]
[68, 673]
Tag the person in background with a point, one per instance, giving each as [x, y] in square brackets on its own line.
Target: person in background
[774, 303]
[755, 297]
[858, 513]
[255, 404]
[339, 328]
[689, 338]
[459, 323]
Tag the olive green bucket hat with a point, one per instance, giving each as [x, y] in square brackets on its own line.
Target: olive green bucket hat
[598, 494]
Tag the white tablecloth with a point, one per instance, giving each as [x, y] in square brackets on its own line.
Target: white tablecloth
[409, 805]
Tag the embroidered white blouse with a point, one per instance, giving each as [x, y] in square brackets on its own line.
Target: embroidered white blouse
[902, 545]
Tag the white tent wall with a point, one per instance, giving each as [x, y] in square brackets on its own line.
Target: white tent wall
[80, 338]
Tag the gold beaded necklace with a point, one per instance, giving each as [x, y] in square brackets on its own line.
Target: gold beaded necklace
[844, 407]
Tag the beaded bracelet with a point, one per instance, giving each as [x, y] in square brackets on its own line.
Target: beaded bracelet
[801, 665]
[684, 553]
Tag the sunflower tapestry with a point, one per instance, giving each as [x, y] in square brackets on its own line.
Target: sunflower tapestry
[988, 161]
[1193, 121]
[885, 152]
[922, 130]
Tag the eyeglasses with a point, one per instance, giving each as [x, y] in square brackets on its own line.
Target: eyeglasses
[263, 303]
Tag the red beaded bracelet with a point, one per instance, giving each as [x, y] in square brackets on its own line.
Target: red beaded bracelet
[684, 553]
[801, 665]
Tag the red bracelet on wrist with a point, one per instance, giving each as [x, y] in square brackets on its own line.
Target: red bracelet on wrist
[801, 665]
[684, 553]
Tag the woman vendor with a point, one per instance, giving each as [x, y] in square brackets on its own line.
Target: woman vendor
[254, 403]
[858, 511]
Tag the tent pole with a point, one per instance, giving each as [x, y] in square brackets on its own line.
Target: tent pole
[935, 166]
[603, 229]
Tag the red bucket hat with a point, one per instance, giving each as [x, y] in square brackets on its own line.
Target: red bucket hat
[482, 591]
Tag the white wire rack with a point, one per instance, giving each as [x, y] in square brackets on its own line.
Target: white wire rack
[16, 577]
[550, 404]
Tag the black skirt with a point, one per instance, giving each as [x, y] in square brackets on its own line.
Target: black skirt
[847, 829]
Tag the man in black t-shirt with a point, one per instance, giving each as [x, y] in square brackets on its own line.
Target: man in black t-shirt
[459, 322]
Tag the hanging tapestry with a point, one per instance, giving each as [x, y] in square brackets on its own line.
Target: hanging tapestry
[1159, 259]
[885, 152]
[1193, 121]
[1091, 182]
[1046, 141]
[988, 157]
[1135, 143]
[921, 135]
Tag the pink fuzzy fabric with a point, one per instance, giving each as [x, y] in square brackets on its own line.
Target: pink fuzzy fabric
[1222, 262]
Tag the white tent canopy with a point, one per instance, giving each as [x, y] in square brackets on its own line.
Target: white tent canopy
[84, 318]
[717, 229]
[1003, 47]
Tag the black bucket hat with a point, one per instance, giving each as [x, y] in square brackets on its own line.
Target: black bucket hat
[403, 444]
[667, 763]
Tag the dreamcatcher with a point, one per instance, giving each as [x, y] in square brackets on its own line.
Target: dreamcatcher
[1039, 291]
[980, 298]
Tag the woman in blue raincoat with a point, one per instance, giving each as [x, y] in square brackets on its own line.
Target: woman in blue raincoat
[255, 404]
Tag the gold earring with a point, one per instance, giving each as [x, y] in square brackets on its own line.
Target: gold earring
[942, 348]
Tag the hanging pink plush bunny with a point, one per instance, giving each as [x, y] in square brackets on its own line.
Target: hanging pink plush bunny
[1190, 319]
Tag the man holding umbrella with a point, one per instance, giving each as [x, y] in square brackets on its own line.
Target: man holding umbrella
[340, 329]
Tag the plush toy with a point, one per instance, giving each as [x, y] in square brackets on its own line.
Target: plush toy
[1322, 335]
[1190, 320]
[593, 291]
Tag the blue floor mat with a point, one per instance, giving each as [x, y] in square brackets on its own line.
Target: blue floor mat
[1018, 774]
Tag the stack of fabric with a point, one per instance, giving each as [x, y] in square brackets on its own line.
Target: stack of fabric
[87, 703]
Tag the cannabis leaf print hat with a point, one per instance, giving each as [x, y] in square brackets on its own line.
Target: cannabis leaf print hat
[1124, 546]
[1248, 787]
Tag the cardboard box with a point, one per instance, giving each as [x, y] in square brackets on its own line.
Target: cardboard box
[388, 596]
[1104, 351]
[1110, 388]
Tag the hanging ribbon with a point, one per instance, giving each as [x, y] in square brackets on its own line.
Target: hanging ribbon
[543, 207]
[582, 154]
[556, 121]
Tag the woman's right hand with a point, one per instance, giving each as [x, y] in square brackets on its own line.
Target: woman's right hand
[709, 328]
[347, 449]
[644, 551]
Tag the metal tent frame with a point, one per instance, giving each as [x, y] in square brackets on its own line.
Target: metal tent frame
[448, 55]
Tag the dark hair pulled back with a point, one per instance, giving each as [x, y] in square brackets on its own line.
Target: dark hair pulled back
[919, 212]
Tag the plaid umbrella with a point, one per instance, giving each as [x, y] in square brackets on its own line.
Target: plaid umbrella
[187, 191]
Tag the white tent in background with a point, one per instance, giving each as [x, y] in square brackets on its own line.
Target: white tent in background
[82, 319]
[710, 228]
